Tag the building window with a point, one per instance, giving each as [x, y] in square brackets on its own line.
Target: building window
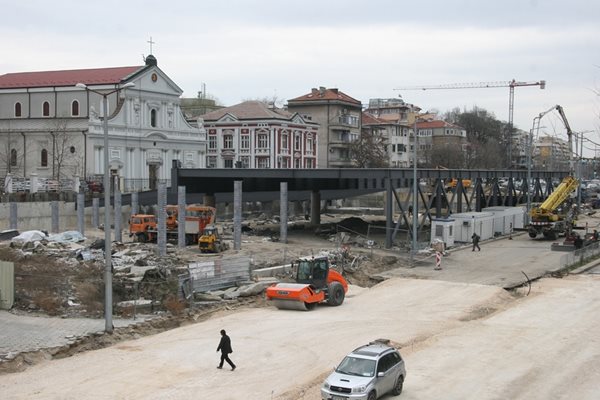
[211, 162]
[309, 163]
[245, 142]
[228, 163]
[46, 109]
[13, 158]
[72, 149]
[245, 160]
[284, 142]
[297, 163]
[297, 141]
[263, 141]
[75, 108]
[262, 162]
[44, 160]
[228, 141]
[17, 109]
[212, 142]
[153, 118]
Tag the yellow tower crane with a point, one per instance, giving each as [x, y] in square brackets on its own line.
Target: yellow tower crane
[483, 85]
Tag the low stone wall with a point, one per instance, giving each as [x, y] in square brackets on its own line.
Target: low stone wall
[38, 216]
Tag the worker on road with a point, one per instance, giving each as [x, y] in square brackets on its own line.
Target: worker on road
[225, 347]
[475, 239]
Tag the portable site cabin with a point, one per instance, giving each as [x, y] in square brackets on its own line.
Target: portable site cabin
[506, 219]
[443, 229]
[465, 224]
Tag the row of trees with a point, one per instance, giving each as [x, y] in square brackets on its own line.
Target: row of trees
[485, 148]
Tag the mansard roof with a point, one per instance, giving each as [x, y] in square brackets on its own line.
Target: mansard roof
[94, 76]
[322, 94]
[248, 110]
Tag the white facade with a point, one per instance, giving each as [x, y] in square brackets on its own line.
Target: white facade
[61, 139]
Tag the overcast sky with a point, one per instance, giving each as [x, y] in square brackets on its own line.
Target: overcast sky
[367, 49]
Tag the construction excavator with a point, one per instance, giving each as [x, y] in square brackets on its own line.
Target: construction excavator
[314, 282]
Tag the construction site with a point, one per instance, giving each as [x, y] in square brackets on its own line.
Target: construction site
[318, 293]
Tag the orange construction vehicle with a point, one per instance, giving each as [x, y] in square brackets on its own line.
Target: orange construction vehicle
[315, 282]
[197, 217]
[143, 227]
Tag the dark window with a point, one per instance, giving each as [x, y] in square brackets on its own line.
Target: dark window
[13, 157]
[153, 118]
[75, 108]
[44, 160]
[72, 149]
[46, 109]
[17, 109]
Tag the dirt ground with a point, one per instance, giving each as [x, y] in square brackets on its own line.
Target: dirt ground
[459, 340]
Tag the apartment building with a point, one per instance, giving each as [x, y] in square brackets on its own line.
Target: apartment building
[339, 117]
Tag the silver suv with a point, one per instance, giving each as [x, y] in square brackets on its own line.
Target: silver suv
[367, 373]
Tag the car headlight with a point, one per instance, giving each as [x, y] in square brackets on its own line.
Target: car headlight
[326, 385]
[359, 389]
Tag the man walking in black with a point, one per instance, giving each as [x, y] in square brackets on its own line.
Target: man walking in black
[475, 238]
[225, 347]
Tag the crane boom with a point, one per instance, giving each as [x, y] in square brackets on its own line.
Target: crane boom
[476, 85]
[483, 85]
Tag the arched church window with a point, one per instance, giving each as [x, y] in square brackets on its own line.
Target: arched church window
[17, 109]
[13, 157]
[44, 160]
[75, 108]
[153, 118]
[46, 109]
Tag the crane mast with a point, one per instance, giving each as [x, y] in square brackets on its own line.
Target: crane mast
[485, 85]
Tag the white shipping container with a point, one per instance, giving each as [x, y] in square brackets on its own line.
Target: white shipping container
[465, 224]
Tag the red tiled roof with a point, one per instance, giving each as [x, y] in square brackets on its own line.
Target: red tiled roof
[435, 124]
[248, 110]
[326, 94]
[96, 76]
[370, 119]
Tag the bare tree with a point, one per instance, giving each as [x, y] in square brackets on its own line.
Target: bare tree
[445, 155]
[65, 160]
[370, 150]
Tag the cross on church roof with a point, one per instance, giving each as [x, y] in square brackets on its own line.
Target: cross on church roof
[151, 43]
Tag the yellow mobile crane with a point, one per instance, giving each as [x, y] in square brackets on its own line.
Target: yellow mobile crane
[557, 214]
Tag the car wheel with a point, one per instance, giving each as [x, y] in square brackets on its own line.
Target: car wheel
[372, 396]
[398, 386]
[335, 294]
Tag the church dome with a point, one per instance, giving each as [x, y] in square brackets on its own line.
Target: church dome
[151, 60]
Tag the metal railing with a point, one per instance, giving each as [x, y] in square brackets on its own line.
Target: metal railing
[214, 274]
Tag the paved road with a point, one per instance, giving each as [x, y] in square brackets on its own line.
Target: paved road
[499, 263]
[23, 333]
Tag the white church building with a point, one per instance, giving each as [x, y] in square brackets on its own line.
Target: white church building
[51, 125]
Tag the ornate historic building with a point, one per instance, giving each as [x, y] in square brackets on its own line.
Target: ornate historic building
[254, 135]
[52, 125]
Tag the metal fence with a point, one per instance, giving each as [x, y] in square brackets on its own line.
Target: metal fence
[580, 256]
[214, 274]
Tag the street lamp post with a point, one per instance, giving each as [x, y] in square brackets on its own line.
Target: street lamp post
[415, 214]
[108, 327]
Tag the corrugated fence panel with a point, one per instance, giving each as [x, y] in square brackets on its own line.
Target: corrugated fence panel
[7, 285]
[214, 274]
